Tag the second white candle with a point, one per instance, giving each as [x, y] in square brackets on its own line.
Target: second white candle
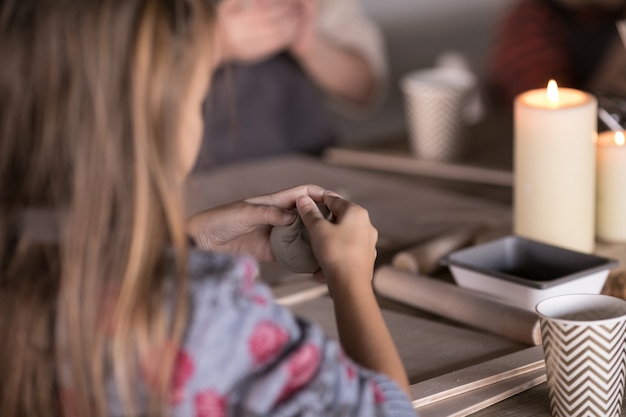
[611, 187]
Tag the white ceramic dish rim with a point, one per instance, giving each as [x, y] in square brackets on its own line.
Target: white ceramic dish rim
[607, 263]
[523, 296]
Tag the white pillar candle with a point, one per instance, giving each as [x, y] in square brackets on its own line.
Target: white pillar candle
[554, 193]
[611, 187]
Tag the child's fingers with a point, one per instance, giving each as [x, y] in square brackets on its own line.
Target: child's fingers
[309, 212]
[337, 205]
[286, 198]
[271, 215]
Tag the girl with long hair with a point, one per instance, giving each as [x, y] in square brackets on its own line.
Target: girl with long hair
[105, 307]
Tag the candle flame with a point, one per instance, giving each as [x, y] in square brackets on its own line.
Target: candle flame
[553, 92]
[619, 138]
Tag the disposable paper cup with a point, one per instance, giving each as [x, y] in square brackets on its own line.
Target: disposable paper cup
[434, 102]
[584, 342]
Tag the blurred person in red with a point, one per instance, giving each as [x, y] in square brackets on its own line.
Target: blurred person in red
[575, 42]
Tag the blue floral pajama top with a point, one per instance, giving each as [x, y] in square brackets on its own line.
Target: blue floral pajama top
[244, 355]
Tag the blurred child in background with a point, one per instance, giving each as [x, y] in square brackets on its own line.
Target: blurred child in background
[284, 63]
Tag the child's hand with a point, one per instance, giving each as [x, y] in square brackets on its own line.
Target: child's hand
[244, 226]
[250, 31]
[345, 248]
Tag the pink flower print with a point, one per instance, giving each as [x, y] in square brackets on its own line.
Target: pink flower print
[183, 369]
[350, 372]
[259, 300]
[209, 404]
[379, 397]
[301, 368]
[250, 272]
[266, 341]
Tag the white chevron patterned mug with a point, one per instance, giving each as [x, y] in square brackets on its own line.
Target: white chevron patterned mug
[434, 101]
[584, 342]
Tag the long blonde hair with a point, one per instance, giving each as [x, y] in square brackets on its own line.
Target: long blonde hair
[90, 92]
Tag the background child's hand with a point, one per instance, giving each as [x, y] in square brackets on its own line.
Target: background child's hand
[250, 31]
[307, 34]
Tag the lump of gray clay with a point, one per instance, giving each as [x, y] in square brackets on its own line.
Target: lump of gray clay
[291, 245]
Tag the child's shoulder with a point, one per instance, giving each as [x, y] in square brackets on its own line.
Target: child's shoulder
[221, 273]
[203, 264]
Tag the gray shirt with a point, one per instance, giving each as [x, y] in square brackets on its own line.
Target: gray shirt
[262, 109]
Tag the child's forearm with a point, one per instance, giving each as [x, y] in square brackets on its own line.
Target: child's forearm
[363, 332]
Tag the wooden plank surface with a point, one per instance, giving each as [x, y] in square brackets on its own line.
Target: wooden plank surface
[481, 398]
[427, 348]
[533, 402]
[407, 164]
[304, 292]
[478, 376]
[487, 157]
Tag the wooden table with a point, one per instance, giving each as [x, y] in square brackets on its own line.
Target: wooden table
[405, 211]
